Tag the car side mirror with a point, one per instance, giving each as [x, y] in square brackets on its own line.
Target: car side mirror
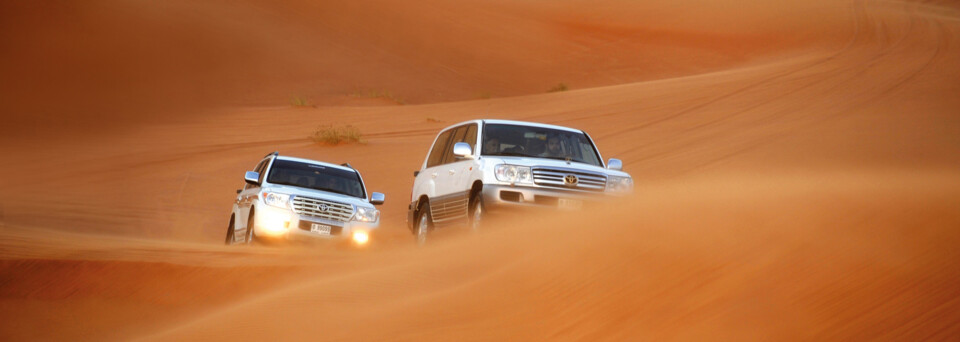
[239, 191]
[462, 150]
[615, 164]
[377, 198]
[416, 173]
[252, 177]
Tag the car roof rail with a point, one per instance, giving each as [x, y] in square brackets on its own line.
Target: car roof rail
[274, 153]
[347, 165]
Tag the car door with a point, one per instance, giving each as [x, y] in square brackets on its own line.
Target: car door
[249, 194]
[452, 198]
[428, 178]
[446, 180]
[459, 169]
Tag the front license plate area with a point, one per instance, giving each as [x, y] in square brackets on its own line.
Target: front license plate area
[321, 229]
[569, 204]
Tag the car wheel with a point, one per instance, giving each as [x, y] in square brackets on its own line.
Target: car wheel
[424, 224]
[251, 234]
[230, 237]
[477, 211]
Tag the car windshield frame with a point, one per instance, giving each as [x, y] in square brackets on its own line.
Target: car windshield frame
[308, 175]
[534, 140]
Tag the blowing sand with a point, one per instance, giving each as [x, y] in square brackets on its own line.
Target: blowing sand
[797, 168]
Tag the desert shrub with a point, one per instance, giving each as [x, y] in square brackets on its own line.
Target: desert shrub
[558, 87]
[334, 135]
[298, 101]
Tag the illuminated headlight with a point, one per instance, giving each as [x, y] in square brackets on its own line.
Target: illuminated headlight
[513, 173]
[367, 214]
[276, 200]
[361, 237]
[273, 222]
[619, 184]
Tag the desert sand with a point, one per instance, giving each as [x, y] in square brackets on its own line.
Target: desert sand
[797, 168]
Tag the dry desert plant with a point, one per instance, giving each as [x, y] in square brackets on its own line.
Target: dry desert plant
[334, 135]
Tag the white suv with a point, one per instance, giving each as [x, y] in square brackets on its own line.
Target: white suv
[287, 198]
[519, 164]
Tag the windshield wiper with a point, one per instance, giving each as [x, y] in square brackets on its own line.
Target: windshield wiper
[509, 154]
[337, 192]
[568, 159]
[319, 189]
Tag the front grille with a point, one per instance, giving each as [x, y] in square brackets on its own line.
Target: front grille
[324, 209]
[554, 177]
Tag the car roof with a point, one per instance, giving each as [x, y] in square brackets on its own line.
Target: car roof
[518, 123]
[309, 161]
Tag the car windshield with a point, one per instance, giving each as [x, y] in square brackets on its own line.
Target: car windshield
[317, 177]
[538, 142]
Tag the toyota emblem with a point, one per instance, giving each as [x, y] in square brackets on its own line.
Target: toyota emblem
[322, 207]
[571, 180]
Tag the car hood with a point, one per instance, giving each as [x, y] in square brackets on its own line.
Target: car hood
[330, 196]
[552, 163]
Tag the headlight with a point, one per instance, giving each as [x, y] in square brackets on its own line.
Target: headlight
[366, 214]
[513, 173]
[619, 184]
[276, 200]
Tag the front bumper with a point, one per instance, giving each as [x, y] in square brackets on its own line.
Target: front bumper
[502, 198]
[498, 197]
[283, 224]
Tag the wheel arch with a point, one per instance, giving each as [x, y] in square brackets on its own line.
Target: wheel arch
[476, 187]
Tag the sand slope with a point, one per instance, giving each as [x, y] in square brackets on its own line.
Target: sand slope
[796, 167]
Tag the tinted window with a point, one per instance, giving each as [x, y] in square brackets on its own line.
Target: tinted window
[317, 177]
[539, 142]
[465, 134]
[436, 155]
[258, 169]
[455, 137]
[262, 168]
[471, 137]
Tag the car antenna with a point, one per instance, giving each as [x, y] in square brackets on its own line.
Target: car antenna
[347, 165]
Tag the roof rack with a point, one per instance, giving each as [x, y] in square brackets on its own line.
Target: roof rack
[275, 153]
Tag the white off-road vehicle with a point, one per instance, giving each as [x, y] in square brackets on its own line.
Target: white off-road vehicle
[519, 165]
[288, 198]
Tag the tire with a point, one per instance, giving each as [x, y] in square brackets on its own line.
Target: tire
[477, 212]
[424, 224]
[230, 238]
[251, 234]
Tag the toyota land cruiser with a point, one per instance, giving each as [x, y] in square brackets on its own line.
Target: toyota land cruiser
[518, 164]
[288, 198]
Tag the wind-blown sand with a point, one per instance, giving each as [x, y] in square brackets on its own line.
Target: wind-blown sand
[797, 169]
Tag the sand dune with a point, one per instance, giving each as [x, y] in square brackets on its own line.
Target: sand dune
[796, 165]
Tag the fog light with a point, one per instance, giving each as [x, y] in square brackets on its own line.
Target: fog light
[360, 237]
[273, 228]
[273, 223]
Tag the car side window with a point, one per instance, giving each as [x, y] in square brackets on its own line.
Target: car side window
[262, 168]
[436, 155]
[471, 137]
[258, 169]
[459, 135]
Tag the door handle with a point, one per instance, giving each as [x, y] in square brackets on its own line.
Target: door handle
[433, 175]
[452, 171]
